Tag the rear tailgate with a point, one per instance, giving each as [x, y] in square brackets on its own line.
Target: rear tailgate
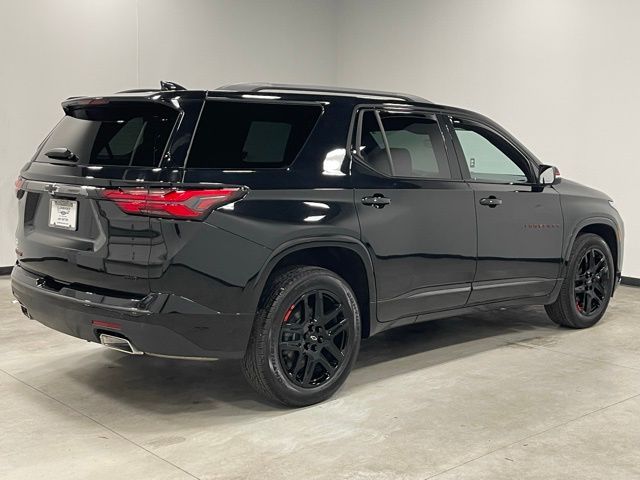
[68, 234]
[100, 240]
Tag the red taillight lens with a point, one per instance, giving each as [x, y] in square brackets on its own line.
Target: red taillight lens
[19, 183]
[172, 203]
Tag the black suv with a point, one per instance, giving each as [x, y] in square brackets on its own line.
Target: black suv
[281, 224]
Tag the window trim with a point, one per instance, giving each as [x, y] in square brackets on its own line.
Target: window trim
[353, 141]
[462, 162]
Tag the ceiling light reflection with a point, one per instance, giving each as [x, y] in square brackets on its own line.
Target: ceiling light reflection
[332, 163]
[317, 205]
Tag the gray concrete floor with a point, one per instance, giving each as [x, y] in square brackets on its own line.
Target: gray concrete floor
[501, 395]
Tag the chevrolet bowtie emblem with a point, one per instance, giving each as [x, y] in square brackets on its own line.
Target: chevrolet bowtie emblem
[51, 188]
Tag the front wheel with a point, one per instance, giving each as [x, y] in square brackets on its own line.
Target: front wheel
[588, 286]
[305, 337]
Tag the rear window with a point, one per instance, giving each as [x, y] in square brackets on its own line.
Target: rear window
[237, 135]
[129, 134]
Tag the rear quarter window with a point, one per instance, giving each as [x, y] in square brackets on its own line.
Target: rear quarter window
[239, 135]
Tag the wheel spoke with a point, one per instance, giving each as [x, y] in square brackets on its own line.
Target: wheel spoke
[308, 371]
[334, 351]
[580, 289]
[595, 302]
[300, 362]
[599, 264]
[587, 303]
[330, 315]
[326, 365]
[337, 328]
[308, 314]
[292, 328]
[319, 306]
[591, 260]
[295, 345]
[598, 289]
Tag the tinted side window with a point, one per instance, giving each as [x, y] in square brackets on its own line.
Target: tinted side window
[415, 145]
[488, 156]
[251, 135]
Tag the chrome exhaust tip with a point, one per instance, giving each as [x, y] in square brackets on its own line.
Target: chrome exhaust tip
[119, 343]
[25, 312]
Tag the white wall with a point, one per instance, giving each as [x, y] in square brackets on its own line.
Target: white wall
[561, 75]
[209, 43]
[50, 50]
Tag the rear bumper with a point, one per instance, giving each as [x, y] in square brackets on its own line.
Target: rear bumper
[158, 324]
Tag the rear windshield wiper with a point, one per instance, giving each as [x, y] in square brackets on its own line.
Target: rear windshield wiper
[62, 154]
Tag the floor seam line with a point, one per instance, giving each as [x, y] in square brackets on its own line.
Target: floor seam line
[101, 424]
[533, 435]
[582, 357]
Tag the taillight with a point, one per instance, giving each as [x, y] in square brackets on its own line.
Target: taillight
[172, 203]
[19, 184]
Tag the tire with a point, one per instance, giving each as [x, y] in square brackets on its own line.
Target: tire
[297, 356]
[586, 285]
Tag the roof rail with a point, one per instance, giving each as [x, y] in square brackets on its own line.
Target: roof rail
[290, 88]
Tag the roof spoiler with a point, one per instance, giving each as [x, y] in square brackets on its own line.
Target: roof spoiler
[164, 87]
[139, 94]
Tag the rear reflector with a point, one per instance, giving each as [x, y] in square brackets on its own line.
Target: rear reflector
[172, 203]
[111, 325]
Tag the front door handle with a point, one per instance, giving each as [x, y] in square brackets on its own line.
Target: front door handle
[377, 200]
[491, 202]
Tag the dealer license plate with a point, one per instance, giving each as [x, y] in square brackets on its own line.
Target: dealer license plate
[63, 214]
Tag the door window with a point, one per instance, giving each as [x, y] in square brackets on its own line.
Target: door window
[488, 156]
[403, 145]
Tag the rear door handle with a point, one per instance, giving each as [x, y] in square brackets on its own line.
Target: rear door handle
[491, 202]
[377, 200]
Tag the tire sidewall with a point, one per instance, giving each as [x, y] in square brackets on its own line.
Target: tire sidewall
[276, 377]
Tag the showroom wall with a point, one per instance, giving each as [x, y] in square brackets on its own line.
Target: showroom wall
[561, 75]
[50, 50]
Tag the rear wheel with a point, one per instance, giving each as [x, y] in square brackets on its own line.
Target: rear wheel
[587, 288]
[305, 337]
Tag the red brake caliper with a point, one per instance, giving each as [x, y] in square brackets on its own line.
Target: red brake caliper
[288, 314]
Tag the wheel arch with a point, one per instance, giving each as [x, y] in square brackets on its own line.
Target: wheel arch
[345, 256]
[604, 228]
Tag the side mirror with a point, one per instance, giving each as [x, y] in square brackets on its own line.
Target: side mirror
[548, 175]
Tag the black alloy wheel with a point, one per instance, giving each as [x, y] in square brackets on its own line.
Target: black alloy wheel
[587, 286]
[591, 282]
[305, 337]
[314, 339]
